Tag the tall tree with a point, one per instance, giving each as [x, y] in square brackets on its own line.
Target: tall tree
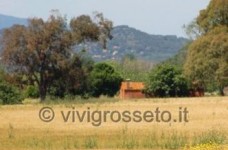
[214, 15]
[44, 47]
[105, 28]
[207, 58]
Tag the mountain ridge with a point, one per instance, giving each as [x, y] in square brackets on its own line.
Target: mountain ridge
[7, 21]
[126, 40]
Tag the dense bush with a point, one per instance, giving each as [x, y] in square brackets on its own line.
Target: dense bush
[166, 81]
[104, 80]
[9, 94]
[31, 91]
[71, 80]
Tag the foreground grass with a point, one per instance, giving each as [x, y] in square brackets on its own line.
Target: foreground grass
[72, 100]
[21, 128]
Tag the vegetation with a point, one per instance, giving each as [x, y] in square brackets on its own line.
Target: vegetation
[179, 59]
[207, 58]
[213, 16]
[104, 80]
[9, 94]
[131, 68]
[31, 91]
[201, 133]
[166, 80]
[69, 81]
[40, 59]
[43, 49]
[127, 40]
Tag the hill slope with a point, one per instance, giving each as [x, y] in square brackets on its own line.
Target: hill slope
[127, 40]
[178, 60]
[8, 21]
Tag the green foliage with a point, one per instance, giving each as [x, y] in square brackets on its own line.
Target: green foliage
[72, 80]
[193, 30]
[213, 16]
[166, 80]
[131, 68]
[104, 80]
[2, 74]
[31, 91]
[43, 50]
[179, 59]
[207, 58]
[9, 94]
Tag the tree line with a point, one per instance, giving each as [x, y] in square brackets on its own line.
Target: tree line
[40, 59]
[207, 57]
[41, 54]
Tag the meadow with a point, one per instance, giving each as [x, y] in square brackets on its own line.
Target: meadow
[206, 129]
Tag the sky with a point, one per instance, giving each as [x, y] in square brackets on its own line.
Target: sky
[164, 17]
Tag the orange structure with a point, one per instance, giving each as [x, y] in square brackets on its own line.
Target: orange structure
[225, 91]
[131, 90]
[197, 90]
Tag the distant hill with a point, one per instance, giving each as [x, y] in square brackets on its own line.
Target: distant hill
[8, 21]
[1, 31]
[127, 40]
[178, 60]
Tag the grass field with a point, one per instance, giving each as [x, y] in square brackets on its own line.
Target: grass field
[207, 129]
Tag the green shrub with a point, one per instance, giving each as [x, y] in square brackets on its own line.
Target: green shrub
[9, 94]
[166, 81]
[31, 91]
[104, 80]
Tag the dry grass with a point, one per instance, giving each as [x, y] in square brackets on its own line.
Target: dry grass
[21, 128]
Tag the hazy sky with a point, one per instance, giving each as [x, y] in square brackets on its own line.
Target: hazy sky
[152, 16]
